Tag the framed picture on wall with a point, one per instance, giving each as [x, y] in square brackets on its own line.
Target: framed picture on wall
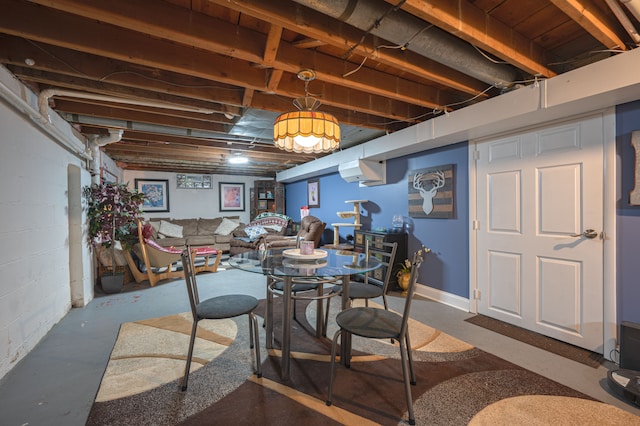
[231, 197]
[313, 193]
[157, 192]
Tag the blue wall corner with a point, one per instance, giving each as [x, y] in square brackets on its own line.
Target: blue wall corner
[447, 267]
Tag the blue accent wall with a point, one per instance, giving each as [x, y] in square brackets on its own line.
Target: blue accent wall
[628, 216]
[447, 268]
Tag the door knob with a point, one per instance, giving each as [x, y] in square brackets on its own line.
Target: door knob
[588, 233]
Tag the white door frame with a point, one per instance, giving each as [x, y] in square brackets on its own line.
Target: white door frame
[610, 197]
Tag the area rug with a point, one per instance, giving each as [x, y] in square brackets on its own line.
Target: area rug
[557, 347]
[457, 384]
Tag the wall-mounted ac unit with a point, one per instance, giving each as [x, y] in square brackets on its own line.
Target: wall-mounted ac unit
[367, 172]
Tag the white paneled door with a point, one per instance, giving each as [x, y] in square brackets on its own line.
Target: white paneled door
[539, 238]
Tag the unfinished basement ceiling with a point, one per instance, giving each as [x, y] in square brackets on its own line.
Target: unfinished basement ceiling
[211, 75]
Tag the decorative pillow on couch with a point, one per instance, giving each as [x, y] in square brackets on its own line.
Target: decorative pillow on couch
[253, 232]
[169, 229]
[226, 227]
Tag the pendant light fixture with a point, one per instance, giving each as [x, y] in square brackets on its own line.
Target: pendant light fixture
[306, 130]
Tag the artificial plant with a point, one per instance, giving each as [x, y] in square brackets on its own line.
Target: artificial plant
[112, 212]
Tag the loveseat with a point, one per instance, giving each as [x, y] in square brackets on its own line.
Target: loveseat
[214, 233]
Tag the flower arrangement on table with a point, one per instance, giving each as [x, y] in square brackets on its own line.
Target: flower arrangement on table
[404, 271]
[405, 268]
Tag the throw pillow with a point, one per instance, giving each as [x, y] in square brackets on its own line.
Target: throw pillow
[226, 227]
[156, 227]
[255, 231]
[169, 229]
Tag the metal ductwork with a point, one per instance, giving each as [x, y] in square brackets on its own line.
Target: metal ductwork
[403, 28]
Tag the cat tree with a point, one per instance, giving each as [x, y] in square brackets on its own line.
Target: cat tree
[355, 213]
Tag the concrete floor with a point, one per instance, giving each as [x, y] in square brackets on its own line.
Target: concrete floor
[56, 383]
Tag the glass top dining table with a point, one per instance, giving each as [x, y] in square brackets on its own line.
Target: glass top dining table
[289, 265]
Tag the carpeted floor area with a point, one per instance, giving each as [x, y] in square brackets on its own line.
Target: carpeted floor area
[566, 350]
[457, 383]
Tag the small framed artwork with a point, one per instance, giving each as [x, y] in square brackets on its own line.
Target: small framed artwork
[193, 181]
[107, 177]
[313, 193]
[231, 197]
[157, 194]
[262, 204]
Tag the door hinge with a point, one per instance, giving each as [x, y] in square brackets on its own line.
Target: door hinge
[476, 225]
[476, 294]
[476, 155]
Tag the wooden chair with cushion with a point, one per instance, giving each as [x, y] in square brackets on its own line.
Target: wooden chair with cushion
[161, 263]
[220, 307]
[377, 323]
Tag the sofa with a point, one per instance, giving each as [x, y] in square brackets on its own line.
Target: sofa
[263, 228]
[214, 233]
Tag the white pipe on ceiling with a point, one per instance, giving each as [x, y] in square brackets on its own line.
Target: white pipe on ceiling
[43, 101]
[72, 144]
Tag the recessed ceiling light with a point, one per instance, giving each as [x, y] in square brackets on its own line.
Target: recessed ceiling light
[238, 158]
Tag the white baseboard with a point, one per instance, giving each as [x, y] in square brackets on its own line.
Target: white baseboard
[440, 296]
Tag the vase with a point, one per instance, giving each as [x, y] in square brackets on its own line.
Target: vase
[403, 281]
[112, 282]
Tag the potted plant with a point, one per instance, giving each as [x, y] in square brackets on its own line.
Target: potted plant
[112, 213]
[404, 273]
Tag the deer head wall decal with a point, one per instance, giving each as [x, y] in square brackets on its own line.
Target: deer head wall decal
[437, 180]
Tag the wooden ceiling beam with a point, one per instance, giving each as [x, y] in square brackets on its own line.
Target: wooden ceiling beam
[182, 168]
[308, 43]
[212, 35]
[593, 20]
[129, 115]
[60, 60]
[262, 100]
[180, 154]
[273, 41]
[319, 27]
[259, 151]
[115, 90]
[467, 21]
[159, 54]
[259, 101]
[93, 107]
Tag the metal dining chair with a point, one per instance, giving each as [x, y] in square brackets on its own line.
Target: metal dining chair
[219, 307]
[371, 287]
[377, 323]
